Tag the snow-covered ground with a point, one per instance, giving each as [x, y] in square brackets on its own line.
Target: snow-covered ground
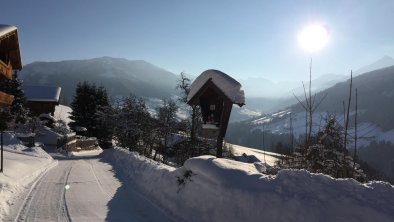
[118, 185]
[211, 189]
[80, 187]
[22, 166]
[87, 188]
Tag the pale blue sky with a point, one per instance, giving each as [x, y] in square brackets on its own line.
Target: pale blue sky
[242, 38]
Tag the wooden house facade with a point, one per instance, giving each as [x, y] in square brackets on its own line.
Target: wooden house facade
[10, 58]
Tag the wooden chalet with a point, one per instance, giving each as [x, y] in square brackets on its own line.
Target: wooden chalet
[42, 99]
[215, 92]
[10, 58]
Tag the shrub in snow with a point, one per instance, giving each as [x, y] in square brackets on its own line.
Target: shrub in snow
[327, 155]
[182, 180]
[166, 122]
[133, 127]
[187, 149]
[33, 126]
[61, 127]
[48, 119]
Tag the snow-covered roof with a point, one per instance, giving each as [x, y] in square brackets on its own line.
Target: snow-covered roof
[6, 29]
[229, 86]
[12, 46]
[42, 93]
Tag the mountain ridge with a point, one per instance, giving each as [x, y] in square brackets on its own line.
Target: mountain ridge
[119, 76]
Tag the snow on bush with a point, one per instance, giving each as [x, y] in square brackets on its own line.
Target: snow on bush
[63, 113]
[211, 189]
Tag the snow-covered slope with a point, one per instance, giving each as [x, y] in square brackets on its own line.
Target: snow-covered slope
[212, 189]
[279, 123]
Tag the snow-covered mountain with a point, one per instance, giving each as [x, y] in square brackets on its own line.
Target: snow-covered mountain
[261, 87]
[379, 64]
[375, 107]
[375, 121]
[266, 96]
[119, 76]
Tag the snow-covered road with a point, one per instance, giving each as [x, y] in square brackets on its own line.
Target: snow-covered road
[96, 192]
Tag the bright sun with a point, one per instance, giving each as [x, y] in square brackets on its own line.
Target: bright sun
[313, 37]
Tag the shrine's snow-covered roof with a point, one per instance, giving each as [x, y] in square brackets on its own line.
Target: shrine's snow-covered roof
[229, 86]
[42, 93]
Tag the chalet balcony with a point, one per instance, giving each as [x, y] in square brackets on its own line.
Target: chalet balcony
[5, 70]
[5, 99]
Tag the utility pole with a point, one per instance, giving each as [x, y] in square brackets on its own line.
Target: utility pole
[291, 134]
[355, 137]
[1, 166]
[264, 145]
[348, 109]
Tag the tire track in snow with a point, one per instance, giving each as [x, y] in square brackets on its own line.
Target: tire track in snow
[98, 181]
[37, 206]
[65, 208]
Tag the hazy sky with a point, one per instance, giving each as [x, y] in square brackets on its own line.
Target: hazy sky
[242, 38]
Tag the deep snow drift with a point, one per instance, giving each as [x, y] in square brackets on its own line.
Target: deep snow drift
[211, 189]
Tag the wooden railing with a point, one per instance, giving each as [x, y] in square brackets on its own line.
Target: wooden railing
[5, 99]
[6, 70]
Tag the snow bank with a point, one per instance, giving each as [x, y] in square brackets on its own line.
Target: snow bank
[226, 190]
[22, 166]
[94, 152]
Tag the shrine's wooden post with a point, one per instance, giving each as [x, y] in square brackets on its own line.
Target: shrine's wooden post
[215, 92]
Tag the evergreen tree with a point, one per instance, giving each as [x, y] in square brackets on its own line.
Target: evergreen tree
[89, 101]
[105, 125]
[83, 105]
[18, 107]
[5, 118]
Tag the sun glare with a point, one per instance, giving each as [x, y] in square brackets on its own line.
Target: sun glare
[313, 37]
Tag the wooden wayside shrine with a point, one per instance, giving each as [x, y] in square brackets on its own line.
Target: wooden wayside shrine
[215, 92]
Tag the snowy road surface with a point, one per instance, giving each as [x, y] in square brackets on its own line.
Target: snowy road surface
[95, 193]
